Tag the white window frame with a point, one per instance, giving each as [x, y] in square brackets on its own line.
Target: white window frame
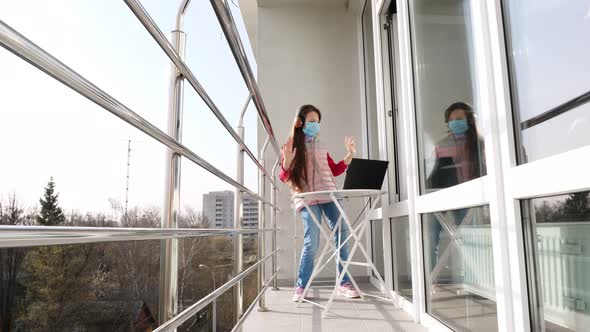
[482, 191]
[376, 214]
[530, 180]
[392, 207]
[505, 185]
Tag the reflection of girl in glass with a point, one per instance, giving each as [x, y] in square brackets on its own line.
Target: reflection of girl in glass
[460, 155]
[459, 158]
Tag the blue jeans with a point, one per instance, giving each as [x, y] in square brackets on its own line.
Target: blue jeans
[311, 239]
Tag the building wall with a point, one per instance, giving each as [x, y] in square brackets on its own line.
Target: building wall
[250, 214]
[296, 67]
[218, 207]
[250, 208]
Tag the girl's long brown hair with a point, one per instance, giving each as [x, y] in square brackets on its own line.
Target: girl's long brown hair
[298, 167]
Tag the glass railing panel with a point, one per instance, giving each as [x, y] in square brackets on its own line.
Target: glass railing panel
[204, 264]
[93, 287]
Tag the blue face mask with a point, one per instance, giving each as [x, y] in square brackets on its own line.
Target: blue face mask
[458, 127]
[311, 129]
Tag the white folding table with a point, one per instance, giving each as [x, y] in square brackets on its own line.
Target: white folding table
[355, 236]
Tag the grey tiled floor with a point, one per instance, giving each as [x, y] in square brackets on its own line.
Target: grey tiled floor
[347, 315]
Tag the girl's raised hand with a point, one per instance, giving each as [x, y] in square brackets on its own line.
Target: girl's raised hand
[350, 145]
[288, 153]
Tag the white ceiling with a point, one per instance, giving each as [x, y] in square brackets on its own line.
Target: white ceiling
[297, 3]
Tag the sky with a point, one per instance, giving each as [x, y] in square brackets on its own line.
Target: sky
[48, 130]
[551, 68]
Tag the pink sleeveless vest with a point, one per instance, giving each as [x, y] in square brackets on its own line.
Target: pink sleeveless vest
[319, 175]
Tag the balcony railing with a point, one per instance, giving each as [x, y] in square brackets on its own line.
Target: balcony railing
[169, 234]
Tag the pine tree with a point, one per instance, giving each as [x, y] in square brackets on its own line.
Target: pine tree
[51, 214]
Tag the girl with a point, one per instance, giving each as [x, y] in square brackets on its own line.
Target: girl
[306, 167]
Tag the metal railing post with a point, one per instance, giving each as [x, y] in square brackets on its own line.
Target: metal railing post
[261, 238]
[169, 247]
[238, 239]
[273, 223]
[238, 210]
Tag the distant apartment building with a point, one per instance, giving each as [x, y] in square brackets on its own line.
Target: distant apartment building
[218, 207]
[250, 214]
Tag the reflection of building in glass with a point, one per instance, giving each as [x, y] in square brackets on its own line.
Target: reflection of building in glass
[218, 208]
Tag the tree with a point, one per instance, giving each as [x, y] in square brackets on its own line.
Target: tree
[51, 214]
[575, 208]
[58, 276]
[545, 212]
[132, 266]
[59, 280]
[190, 254]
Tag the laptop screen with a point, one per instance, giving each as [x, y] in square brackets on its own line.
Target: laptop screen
[365, 174]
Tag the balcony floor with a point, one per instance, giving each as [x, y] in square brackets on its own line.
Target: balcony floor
[371, 314]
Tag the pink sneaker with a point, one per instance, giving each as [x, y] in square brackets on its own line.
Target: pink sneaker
[348, 290]
[298, 293]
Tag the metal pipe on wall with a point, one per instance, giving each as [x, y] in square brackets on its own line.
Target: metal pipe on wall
[261, 239]
[273, 222]
[262, 224]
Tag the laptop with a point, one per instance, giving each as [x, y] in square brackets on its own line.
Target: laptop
[365, 174]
